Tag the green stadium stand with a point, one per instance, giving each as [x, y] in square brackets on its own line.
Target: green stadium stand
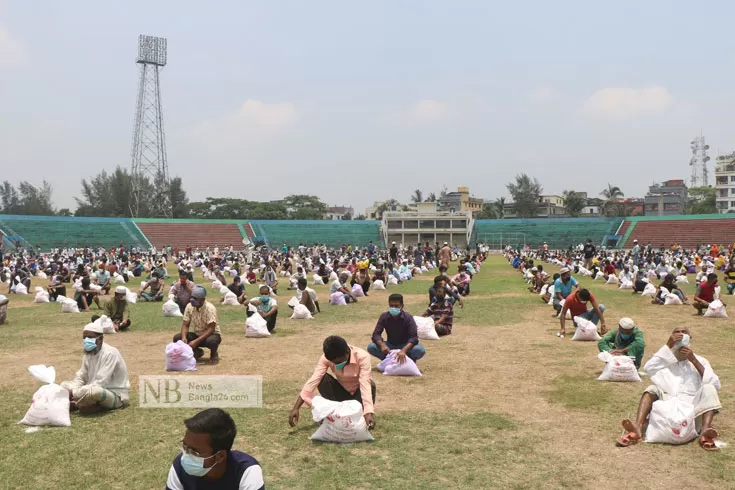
[50, 232]
[330, 233]
[559, 233]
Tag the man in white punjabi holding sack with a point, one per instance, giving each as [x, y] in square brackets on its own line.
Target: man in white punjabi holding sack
[678, 373]
[102, 382]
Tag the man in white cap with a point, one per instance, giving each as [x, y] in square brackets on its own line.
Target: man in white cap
[102, 382]
[626, 340]
[117, 309]
[676, 372]
[636, 253]
[201, 316]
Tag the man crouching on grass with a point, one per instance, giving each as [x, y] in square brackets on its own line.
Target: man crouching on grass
[677, 372]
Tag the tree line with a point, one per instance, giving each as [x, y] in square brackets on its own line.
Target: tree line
[109, 195]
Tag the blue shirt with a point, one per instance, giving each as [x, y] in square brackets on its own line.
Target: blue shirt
[564, 289]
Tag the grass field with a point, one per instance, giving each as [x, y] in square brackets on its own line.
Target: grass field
[503, 402]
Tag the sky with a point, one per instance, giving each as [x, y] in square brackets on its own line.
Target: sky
[364, 101]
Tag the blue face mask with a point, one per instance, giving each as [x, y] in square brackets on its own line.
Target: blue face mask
[90, 344]
[341, 365]
[194, 465]
[625, 336]
[264, 299]
[394, 311]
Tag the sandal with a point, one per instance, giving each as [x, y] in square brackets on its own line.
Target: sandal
[631, 438]
[707, 440]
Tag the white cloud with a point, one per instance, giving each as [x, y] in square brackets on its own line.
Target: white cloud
[12, 51]
[542, 95]
[627, 103]
[252, 121]
[426, 111]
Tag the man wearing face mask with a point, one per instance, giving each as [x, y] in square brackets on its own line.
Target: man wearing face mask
[401, 331]
[201, 317]
[576, 305]
[677, 372]
[102, 382]
[352, 379]
[207, 459]
[563, 287]
[182, 290]
[626, 340]
[267, 307]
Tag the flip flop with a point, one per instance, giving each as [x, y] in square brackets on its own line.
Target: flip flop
[629, 439]
[707, 440]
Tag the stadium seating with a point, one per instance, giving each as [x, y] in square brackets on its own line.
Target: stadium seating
[50, 232]
[689, 232]
[194, 233]
[331, 233]
[559, 233]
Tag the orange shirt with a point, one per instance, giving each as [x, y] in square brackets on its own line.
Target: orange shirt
[356, 374]
[575, 305]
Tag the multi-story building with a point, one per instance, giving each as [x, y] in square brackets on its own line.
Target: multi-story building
[549, 206]
[460, 201]
[725, 183]
[427, 223]
[666, 199]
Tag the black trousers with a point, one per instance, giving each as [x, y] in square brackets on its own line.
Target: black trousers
[212, 342]
[330, 389]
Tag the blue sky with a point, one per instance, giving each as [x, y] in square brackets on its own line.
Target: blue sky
[366, 101]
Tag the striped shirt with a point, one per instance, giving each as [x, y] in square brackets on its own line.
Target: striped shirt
[438, 309]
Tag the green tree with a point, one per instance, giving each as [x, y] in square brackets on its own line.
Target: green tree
[574, 203]
[431, 197]
[388, 205]
[500, 207]
[27, 199]
[179, 199]
[526, 192]
[702, 200]
[489, 211]
[611, 205]
[303, 206]
[360, 217]
[417, 196]
[64, 212]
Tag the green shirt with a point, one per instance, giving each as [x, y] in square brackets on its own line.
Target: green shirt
[613, 341]
[117, 311]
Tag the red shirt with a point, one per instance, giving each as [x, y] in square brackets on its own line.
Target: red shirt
[575, 305]
[707, 291]
[609, 269]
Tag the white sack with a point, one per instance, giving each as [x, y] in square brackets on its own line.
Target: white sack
[180, 357]
[301, 312]
[671, 422]
[342, 422]
[256, 326]
[390, 366]
[378, 285]
[50, 405]
[425, 328]
[357, 291]
[230, 299]
[337, 299]
[618, 368]
[41, 297]
[716, 310]
[171, 309]
[585, 330]
[69, 306]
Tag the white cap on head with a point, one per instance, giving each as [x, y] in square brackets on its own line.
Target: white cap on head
[626, 323]
[564, 270]
[93, 327]
[635, 241]
[534, 269]
[121, 290]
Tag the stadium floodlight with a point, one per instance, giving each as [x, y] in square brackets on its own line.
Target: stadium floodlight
[152, 50]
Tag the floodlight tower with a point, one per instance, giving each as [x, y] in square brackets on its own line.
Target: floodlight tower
[698, 162]
[149, 140]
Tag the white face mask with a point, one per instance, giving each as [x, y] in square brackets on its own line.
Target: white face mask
[194, 465]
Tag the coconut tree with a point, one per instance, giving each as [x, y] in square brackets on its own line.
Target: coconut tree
[417, 196]
[612, 195]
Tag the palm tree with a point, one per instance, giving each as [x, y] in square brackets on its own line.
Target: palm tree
[431, 198]
[417, 196]
[388, 205]
[612, 194]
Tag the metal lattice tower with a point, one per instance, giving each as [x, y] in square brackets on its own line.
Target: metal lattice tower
[698, 162]
[149, 140]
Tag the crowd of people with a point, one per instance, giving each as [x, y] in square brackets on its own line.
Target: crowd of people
[676, 372]
[99, 279]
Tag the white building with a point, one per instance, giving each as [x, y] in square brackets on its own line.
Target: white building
[337, 213]
[426, 223]
[725, 183]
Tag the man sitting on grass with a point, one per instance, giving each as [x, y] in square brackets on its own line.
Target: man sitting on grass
[705, 294]
[563, 287]
[117, 309]
[441, 311]
[156, 286]
[267, 307]
[340, 286]
[3, 309]
[307, 296]
[102, 382]
[207, 459]
[626, 340]
[238, 289]
[352, 379]
[401, 331]
[200, 316]
[676, 371]
[576, 304]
